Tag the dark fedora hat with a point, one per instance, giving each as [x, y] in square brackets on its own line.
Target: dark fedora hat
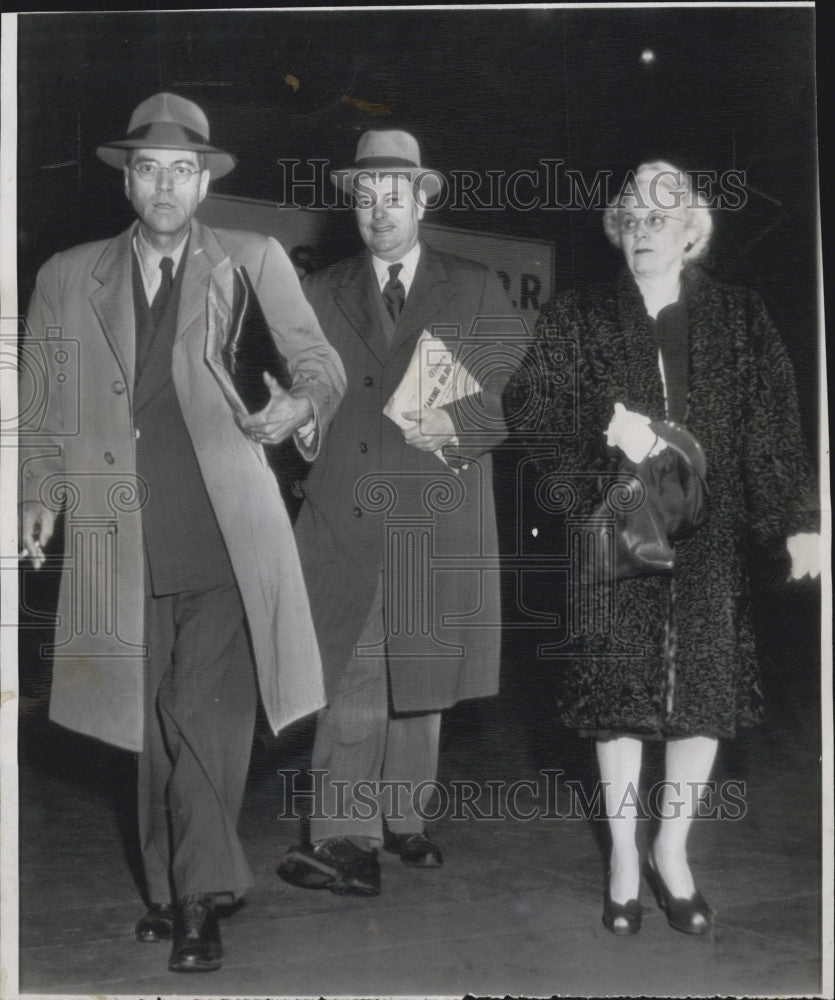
[167, 121]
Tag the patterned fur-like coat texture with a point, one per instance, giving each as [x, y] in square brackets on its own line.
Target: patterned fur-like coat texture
[670, 655]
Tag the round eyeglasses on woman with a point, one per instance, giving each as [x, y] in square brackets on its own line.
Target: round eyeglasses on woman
[654, 222]
[180, 173]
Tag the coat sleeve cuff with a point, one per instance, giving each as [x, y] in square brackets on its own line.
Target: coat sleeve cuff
[308, 437]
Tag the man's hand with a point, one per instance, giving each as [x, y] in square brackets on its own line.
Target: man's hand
[432, 430]
[37, 524]
[805, 551]
[283, 415]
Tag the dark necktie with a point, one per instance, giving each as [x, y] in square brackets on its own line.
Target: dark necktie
[166, 265]
[394, 294]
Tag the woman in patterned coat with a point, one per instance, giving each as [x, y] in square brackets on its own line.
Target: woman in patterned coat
[676, 661]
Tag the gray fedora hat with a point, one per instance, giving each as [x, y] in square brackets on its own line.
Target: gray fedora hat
[381, 151]
[168, 121]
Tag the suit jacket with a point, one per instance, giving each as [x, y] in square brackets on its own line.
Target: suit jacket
[374, 503]
[79, 450]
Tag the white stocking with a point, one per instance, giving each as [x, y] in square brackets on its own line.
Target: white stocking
[620, 771]
[688, 765]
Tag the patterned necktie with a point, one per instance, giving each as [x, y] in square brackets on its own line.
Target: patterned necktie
[166, 265]
[394, 294]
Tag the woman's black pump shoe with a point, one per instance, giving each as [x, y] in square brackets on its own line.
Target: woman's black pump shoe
[690, 916]
[628, 914]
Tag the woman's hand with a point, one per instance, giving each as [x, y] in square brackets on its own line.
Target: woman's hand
[804, 549]
[630, 431]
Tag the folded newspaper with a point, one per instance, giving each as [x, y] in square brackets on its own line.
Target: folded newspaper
[434, 378]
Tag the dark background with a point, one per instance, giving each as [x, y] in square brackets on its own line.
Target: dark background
[481, 90]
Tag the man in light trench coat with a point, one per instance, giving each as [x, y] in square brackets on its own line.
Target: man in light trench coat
[181, 566]
[399, 545]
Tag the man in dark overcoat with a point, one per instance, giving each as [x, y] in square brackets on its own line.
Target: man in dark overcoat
[181, 565]
[397, 532]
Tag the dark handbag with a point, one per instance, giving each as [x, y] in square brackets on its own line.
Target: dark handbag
[250, 349]
[661, 500]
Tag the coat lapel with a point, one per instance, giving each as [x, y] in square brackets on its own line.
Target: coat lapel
[711, 362]
[431, 288]
[204, 254]
[355, 297]
[644, 390]
[112, 302]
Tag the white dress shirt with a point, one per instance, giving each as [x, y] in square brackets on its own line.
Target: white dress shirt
[407, 273]
[149, 259]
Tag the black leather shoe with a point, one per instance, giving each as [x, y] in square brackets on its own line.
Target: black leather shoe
[156, 925]
[621, 918]
[415, 849]
[336, 864]
[301, 867]
[197, 946]
[690, 916]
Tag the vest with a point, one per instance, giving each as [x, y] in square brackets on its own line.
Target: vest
[184, 549]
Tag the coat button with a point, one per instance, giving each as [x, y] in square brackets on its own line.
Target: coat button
[296, 489]
[368, 381]
[363, 447]
[136, 433]
[357, 512]
[118, 388]
[109, 458]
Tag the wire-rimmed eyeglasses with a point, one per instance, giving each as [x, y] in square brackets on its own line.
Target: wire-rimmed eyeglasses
[654, 222]
[180, 173]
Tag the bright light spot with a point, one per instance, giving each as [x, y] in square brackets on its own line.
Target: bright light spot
[647, 57]
[534, 532]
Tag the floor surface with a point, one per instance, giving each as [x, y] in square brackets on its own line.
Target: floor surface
[515, 910]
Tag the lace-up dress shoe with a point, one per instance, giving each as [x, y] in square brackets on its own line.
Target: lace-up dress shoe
[197, 946]
[415, 849]
[302, 868]
[157, 924]
[336, 864]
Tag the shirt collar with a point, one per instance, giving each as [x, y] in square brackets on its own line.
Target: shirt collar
[407, 274]
[149, 258]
